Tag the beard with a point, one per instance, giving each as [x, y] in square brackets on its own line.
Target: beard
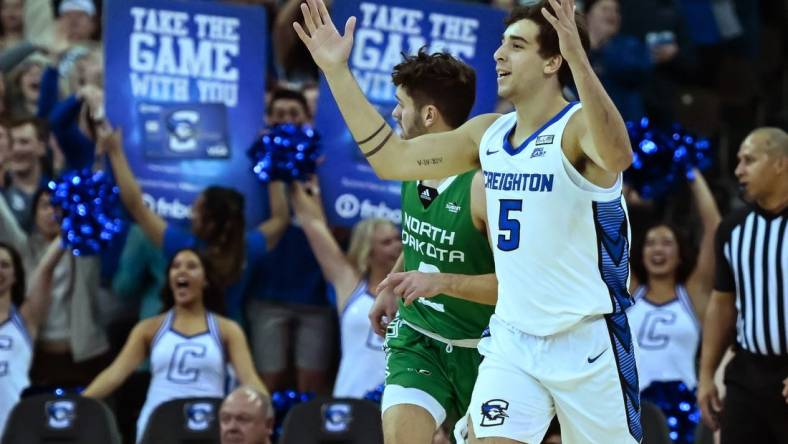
[414, 128]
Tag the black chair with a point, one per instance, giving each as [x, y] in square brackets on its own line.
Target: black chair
[333, 421]
[69, 419]
[655, 425]
[184, 421]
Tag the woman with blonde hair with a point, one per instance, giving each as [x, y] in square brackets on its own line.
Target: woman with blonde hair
[374, 248]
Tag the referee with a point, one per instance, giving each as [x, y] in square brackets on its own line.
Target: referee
[750, 300]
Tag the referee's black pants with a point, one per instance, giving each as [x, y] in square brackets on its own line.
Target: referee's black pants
[755, 410]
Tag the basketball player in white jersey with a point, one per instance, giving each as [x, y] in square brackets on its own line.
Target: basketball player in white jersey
[20, 319]
[671, 289]
[190, 345]
[560, 341]
[374, 248]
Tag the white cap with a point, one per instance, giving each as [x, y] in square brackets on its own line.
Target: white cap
[85, 6]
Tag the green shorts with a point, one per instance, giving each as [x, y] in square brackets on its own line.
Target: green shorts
[426, 372]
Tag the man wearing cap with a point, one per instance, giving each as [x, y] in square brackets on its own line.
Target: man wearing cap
[78, 18]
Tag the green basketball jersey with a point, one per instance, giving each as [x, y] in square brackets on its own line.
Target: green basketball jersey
[442, 238]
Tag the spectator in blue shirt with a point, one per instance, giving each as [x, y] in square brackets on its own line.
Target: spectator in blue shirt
[623, 63]
[288, 308]
[217, 230]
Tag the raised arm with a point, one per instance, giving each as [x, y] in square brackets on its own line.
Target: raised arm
[601, 132]
[240, 356]
[431, 156]
[335, 266]
[130, 192]
[700, 282]
[274, 227]
[130, 358]
[36, 306]
[10, 231]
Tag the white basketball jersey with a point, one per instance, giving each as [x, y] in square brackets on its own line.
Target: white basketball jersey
[561, 243]
[363, 363]
[16, 354]
[668, 335]
[183, 366]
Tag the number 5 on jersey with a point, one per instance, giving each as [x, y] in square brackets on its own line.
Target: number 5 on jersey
[506, 222]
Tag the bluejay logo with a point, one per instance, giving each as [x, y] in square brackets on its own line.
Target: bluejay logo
[494, 412]
[337, 417]
[182, 128]
[61, 413]
[199, 416]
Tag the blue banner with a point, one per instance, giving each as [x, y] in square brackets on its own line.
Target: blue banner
[351, 191]
[174, 72]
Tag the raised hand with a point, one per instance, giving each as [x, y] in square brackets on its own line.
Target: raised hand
[564, 23]
[328, 48]
[305, 199]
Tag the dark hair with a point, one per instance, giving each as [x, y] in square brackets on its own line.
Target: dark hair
[40, 192]
[18, 289]
[548, 37]
[588, 4]
[212, 295]
[223, 223]
[41, 127]
[687, 253]
[440, 80]
[288, 94]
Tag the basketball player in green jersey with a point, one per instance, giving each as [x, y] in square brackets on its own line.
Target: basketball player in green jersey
[430, 346]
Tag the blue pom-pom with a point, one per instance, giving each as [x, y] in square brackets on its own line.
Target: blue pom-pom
[375, 395]
[285, 152]
[677, 402]
[662, 157]
[282, 402]
[90, 211]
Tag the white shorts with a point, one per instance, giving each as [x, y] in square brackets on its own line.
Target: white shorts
[586, 375]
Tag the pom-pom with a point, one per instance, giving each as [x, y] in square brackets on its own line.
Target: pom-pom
[90, 212]
[662, 158]
[375, 395]
[282, 402]
[678, 403]
[285, 152]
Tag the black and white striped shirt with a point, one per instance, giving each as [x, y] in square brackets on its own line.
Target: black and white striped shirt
[752, 262]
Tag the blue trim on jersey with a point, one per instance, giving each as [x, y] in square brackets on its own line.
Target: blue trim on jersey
[507, 146]
[163, 328]
[20, 324]
[213, 329]
[360, 290]
[624, 351]
[612, 234]
[686, 302]
[16, 319]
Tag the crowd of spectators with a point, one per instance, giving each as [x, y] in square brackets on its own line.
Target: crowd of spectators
[717, 67]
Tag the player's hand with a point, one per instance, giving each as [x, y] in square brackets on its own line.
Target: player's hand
[411, 285]
[328, 48]
[305, 199]
[383, 311]
[785, 390]
[710, 404]
[564, 23]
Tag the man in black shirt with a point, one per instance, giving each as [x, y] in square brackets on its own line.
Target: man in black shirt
[750, 300]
